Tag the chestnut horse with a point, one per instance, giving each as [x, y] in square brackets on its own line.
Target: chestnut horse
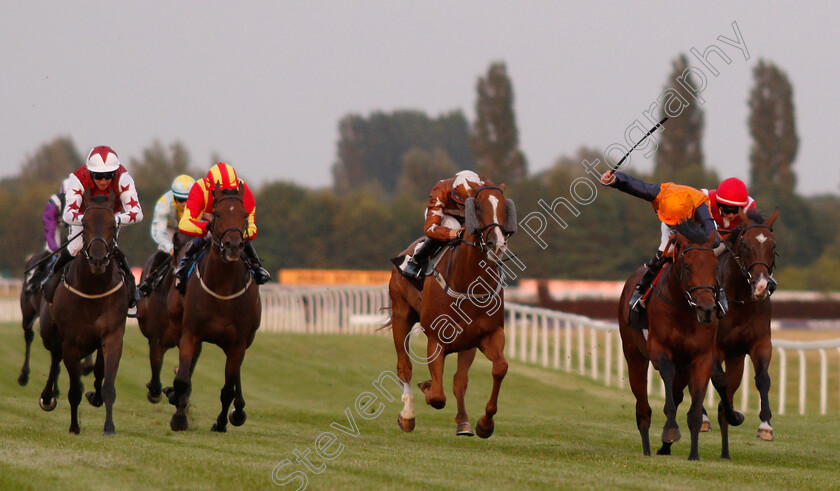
[88, 314]
[221, 306]
[681, 315]
[746, 270]
[153, 312]
[461, 308]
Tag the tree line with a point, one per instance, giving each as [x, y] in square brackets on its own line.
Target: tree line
[386, 163]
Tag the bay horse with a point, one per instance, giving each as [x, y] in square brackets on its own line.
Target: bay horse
[461, 308]
[88, 314]
[680, 342]
[746, 270]
[221, 306]
[153, 312]
[30, 309]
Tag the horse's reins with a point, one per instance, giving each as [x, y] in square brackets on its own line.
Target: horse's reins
[745, 270]
[687, 292]
[218, 243]
[481, 245]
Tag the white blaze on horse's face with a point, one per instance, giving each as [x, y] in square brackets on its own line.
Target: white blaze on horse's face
[497, 236]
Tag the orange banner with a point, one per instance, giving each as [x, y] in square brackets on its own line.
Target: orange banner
[332, 277]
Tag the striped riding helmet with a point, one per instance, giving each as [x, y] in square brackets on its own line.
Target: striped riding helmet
[181, 186]
[224, 175]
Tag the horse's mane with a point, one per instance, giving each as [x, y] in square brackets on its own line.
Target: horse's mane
[691, 231]
[230, 192]
[755, 216]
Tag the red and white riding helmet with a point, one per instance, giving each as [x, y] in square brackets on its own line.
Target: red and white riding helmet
[102, 158]
[733, 192]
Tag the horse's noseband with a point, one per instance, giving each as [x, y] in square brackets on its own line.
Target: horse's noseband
[688, 292]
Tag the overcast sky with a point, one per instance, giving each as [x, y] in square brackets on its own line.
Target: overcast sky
[264, 84]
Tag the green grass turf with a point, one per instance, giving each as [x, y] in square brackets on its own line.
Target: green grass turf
[553, 430]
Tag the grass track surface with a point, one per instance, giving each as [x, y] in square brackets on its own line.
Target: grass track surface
[553, 430]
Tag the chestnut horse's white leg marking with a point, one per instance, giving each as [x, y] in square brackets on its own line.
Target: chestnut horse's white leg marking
[408, 402]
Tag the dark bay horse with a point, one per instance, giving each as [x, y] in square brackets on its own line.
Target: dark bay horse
[221, 306]
[461, 308]
[746, 270]
[153, 312]
[88, 314]
[680, 342]
[30, 309]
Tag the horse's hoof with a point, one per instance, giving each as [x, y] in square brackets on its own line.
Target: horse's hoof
[464, 429]
[665, 449]
[737, 419]
[93, 399]
[169, 392]
[109, 433]
[765, 434]
[218, 428]
[154, 399]
[407, 425]
[671, 435]
[425, 386]
[706, 425]
[237, 417]
[45, 406]
[74, 429]
[23, 379]
[484, 431]
[178, 422]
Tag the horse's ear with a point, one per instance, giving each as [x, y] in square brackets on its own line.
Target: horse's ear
[470, 216]
[743, 216]
[240, 188]
[502, 187]
[773, 217]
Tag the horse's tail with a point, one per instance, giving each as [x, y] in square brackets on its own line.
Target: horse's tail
[387, 323]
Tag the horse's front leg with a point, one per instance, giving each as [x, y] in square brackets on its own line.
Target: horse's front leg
[235, 355]
[95, 397]
[761, 360]
[28, 335]
[156, 352]
[402, 321]
[112, 352]
[493, 347]
[47, 401]
[667, 370]
[433, 388]
[74, 394]
[700, 373]
[189, 348]
[459, 388]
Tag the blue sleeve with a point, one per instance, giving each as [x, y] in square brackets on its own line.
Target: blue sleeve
[636, 187]
[702, 216]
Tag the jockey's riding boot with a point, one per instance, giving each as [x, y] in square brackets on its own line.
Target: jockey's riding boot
[133, 297]
[261, 276]
[416, 265]
[653, 266]
[149, 283]
[33, 279]
[50, 283]
[722, 303]
[186, 261]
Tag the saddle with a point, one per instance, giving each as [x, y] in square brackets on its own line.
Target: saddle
[401, 261]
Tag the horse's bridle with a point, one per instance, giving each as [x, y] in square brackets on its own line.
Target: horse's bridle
[482, 242]
[110, 247]
[736, 249]
[217, 239]
[689, 291]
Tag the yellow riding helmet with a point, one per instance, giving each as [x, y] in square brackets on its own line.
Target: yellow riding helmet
[181, 186]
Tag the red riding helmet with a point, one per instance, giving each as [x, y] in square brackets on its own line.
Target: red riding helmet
[224, 175]
[733, 192]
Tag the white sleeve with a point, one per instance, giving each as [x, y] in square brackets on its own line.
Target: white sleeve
[74, 194]
[159, 224]
[131, 211]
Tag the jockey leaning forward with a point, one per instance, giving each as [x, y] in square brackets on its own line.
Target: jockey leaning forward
[193, 222]
[101, 175]
[673, 203]
[444, 212]
[169, 210]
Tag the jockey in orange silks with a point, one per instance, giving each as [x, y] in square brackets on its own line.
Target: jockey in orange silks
[673, 203]
[193, 222]
[444, 220]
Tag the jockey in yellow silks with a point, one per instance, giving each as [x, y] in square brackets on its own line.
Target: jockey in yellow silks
[673, 203]
[193, 222]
